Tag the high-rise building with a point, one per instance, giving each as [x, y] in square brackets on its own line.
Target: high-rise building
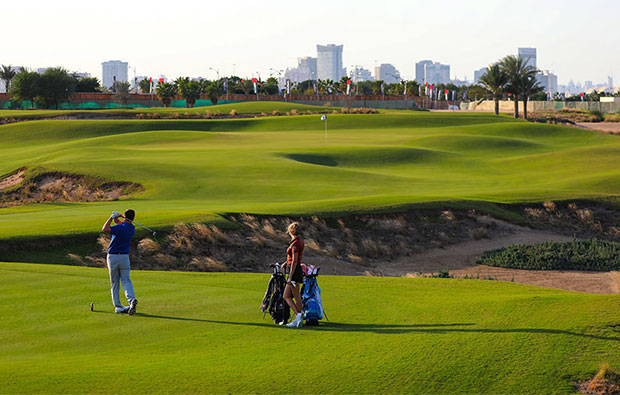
[113, 70]
[360, 74]
[419, 70]
[437, 73]
[479, 73]
[588, 85]
[309, 63]
[529, 54]
[548, 81]
[329, 62]
[388, 73]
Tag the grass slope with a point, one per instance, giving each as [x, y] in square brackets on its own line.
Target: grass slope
[195, 169]
[241, 108]
[204, 333]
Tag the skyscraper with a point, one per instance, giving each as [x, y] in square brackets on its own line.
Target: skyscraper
[548, 81]
[479, 73]
[419, 70]
[309, 63]
[388, 73]
[436, 73]
[329, 62]
[529, 54]
[360, 74]
[113, 70]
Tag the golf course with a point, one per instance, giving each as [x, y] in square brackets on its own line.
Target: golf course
[203, 332]
[195, 170]
[197, 332]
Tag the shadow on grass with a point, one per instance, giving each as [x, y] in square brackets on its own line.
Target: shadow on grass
[390, 329]
[446, 328]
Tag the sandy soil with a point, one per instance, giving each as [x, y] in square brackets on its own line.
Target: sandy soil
[607, 127]
[13, 179]
[460, 259]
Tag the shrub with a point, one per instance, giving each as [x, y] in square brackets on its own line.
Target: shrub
[596, 116]
[275, 112]
[233, 113]
[591, 255]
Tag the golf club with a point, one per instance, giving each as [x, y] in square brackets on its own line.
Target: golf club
[142, 226]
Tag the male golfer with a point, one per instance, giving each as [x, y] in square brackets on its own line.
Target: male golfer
[118, 259]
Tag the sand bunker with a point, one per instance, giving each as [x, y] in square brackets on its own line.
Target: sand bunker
[17, 189]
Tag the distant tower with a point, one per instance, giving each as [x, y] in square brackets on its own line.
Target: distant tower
[113, 70]
[529, 54]
[610, 82]
[419, 70]
[329, 62]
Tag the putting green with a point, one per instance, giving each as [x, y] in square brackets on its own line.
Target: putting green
[203, 333]
[193, 170]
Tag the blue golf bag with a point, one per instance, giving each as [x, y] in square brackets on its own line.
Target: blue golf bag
[312, 305]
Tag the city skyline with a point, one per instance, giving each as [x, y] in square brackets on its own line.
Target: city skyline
[457, 34]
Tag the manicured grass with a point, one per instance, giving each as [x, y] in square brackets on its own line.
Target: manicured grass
[194, 170]
[242, 108]
[204, 333]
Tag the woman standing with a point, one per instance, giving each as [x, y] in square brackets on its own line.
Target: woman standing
[294, 254]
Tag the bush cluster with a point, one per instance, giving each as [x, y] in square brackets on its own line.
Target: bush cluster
[590, 255]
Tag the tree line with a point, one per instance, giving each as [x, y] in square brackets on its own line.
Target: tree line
[511, 76]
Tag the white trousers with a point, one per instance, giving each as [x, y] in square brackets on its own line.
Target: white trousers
[118, 266]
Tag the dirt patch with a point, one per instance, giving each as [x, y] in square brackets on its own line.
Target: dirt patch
[416, 243]
[606, 382]
[12, 180]
[21, 189]
[606, 127]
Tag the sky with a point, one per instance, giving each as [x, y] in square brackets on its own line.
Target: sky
[576, 39]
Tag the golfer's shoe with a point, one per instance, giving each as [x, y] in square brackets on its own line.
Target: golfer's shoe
[121, 310]
[297, 323]
[132, 306]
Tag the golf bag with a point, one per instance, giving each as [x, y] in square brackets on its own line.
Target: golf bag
[273, 301]
[312, 304]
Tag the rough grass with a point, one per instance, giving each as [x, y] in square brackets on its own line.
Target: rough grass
[589, 255]
[203, 333]
[193, 170]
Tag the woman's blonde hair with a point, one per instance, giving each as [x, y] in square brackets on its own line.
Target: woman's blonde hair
[293, 229]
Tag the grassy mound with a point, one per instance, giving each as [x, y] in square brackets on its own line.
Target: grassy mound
[266, 107]
[593, 255]
[195, 170]
[204, 333]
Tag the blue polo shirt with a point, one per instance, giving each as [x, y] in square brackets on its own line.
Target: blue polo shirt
[121, 237]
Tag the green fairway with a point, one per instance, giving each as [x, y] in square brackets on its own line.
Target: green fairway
[242, 108]
[204, 333]
[193, 170]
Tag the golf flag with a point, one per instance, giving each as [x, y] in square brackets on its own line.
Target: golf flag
[315, 87]
[405, 90]
[323, 117]
[288, 86]
[225, 85]
[348, 86]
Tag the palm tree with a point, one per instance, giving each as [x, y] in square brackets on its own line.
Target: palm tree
[6, 74]
[145, 86]
[494, 81]
[213, 90]
[165, 92]
[190, 90]
[518, 72]
[529, 86]
[122, 92]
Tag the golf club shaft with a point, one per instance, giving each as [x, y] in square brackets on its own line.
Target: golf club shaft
[142, 226]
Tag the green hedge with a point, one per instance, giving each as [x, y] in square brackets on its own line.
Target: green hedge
[592, 255]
